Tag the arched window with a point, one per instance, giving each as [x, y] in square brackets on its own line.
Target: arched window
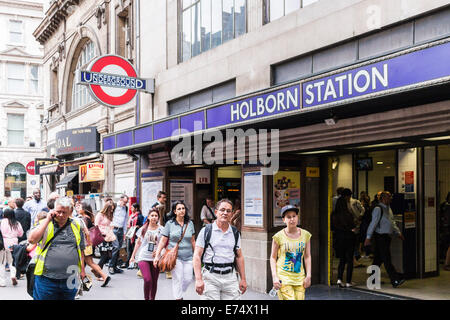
[80, 93]
[15, 181]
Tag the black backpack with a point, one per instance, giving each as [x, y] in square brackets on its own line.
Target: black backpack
[208, 231]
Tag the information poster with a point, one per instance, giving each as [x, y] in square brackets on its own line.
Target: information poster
[149, 194]
[286, 191]
[253, 199]
[183, 190]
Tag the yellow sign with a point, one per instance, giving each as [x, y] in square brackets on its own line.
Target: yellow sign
[91, 172]
[313, 172]
[69, 193]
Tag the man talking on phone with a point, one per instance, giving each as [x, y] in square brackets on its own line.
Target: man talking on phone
[59, 254]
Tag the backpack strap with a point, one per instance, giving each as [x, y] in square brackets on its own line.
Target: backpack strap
[208, 231]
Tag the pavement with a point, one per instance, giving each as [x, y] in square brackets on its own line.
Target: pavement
[127, 286]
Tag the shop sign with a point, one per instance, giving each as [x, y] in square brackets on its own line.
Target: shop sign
[79, 140]
[113, 81]
[30, 168]
[313, 172]
[40, 162]
[203, 176]
[410, 219]
[401, 71]
[51, 169]
[91, 172]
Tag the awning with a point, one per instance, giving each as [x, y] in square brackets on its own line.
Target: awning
[65, 181]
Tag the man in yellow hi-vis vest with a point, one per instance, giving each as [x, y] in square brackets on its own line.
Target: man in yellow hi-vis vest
[59, 266]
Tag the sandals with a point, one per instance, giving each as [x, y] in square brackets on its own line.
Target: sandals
[108, 278]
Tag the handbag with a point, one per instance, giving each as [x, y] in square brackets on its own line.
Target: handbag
[169, 258]
[32, 265]
[96, 236]
[110, 236]
[131, 232]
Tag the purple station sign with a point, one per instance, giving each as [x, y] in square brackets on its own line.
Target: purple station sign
[381, 77]
[408, 69]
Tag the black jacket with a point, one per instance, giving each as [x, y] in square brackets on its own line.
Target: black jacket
[25, 220]
[20, 256]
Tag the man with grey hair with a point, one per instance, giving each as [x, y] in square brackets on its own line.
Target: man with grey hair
[59, 254]
[218, 246]
[35, 205]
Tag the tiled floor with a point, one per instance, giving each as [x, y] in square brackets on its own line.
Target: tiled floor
[435, 288]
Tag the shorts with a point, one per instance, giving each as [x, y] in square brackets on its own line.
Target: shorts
[288, 292]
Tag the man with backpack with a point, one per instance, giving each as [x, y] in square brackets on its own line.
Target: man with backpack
[218, 247]
[380, 230]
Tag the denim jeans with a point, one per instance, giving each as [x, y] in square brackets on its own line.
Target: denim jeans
[52, 289]
[117, 244]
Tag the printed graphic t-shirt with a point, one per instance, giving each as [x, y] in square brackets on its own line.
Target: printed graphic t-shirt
[290, 267]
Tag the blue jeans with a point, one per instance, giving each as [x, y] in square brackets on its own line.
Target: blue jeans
[117, 244]
[52, 289]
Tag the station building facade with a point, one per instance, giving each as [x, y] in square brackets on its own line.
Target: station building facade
[344, 83]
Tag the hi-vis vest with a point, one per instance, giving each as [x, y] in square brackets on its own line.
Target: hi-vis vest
[48, 234]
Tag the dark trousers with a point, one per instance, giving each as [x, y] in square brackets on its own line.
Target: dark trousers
[130, 248]
[117, 244]
[382, 254]
[346, 243]
[104, 257]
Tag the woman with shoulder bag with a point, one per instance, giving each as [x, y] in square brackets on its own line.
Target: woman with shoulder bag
[103, 220]
[179, 232]
[88, 218]
[147, 241]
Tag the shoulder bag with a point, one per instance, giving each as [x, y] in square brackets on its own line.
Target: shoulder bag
[32, 264]
[169, 259]
[96, 236]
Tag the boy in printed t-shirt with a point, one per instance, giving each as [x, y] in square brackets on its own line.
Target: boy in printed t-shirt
[290, 248]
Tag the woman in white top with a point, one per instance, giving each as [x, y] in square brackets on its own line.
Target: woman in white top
[147, 242]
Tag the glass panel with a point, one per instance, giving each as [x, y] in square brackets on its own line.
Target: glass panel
[308, 2]
[16, 86]
[195, 11]
[276, 9]
[16, 71]
[239, 20]
[206, 25]
[186, 35]
[291, 5]
[15, 181]
[186, 3]
[15, 122]
[216, 23]
[15, 31]
[227, 16]
[15, 137]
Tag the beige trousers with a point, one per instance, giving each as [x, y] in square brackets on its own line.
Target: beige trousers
[220, 286]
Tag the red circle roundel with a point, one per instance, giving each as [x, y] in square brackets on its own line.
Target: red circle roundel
[30, 168]
[113, 65]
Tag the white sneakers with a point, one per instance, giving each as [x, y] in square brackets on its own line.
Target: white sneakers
[341, 284]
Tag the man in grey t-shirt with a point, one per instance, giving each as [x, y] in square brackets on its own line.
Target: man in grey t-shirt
[60, 265]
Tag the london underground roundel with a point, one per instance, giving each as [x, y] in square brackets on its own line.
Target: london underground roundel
[112, 80]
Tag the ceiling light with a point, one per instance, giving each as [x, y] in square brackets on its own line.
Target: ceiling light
[380, 162]
[316, 152]
[334, 163]
[438, 138]
[381, 145]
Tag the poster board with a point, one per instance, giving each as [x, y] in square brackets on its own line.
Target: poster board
[286, 190]
[150, 190]
[181, 189]
[253, 199]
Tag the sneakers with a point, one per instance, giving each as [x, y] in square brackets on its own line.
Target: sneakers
[111, 270]
[398, 283]
[340, 284]
[349, 285]
[117, 270]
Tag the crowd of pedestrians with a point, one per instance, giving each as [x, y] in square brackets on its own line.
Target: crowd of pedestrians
[55, 240]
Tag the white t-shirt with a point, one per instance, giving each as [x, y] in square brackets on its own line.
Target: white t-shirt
[206, 213]
[149, 241]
